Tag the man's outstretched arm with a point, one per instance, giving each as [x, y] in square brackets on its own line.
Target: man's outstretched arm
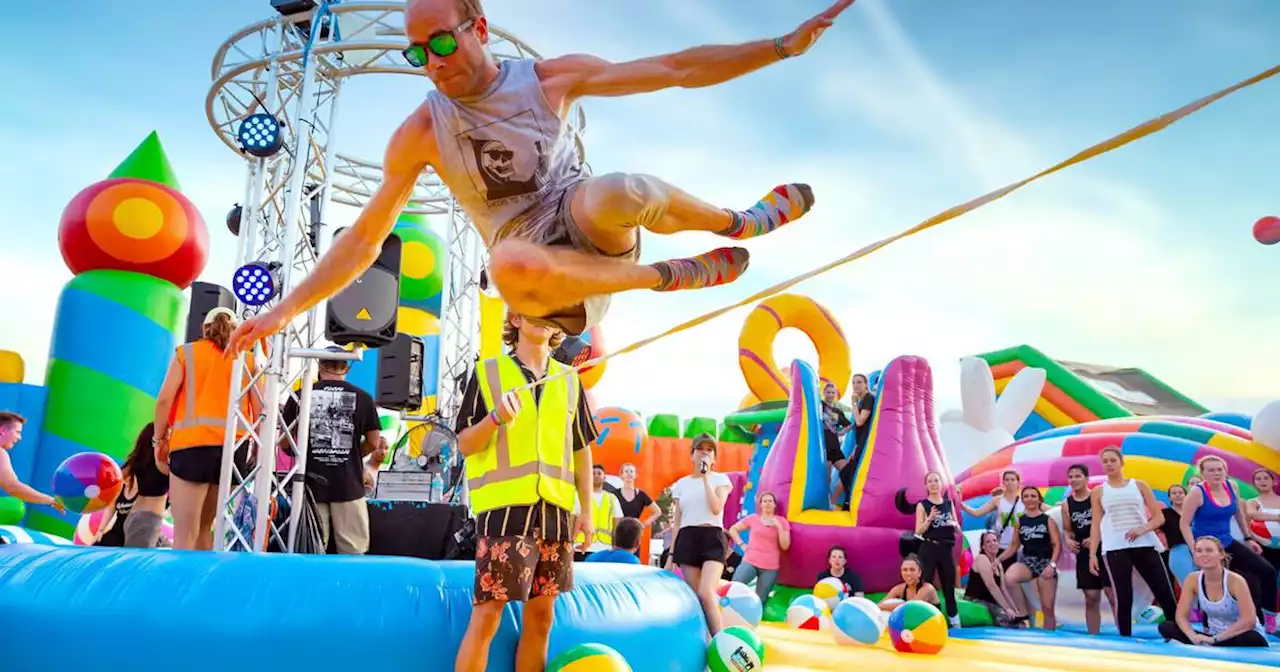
[580, 75]
[358, 247]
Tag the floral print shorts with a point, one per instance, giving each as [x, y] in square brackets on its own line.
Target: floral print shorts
[518, 568]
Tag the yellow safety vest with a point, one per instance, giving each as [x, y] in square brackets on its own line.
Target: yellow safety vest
[602, 517]
[530, 458]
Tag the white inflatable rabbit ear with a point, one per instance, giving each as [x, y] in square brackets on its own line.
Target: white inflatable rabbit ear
[1266, 426]
[977, 394]
[1019, 399]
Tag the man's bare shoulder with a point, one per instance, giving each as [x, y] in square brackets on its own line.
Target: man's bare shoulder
[413, 145]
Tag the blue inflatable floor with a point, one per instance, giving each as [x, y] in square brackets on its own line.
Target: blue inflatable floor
[69, 609]
[1150, 645]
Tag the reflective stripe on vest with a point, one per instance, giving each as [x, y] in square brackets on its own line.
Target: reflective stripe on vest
[602, 520]
[530, 458]
[200, 413]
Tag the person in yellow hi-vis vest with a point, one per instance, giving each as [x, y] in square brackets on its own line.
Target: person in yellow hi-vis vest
[606, 513]
[528, 460]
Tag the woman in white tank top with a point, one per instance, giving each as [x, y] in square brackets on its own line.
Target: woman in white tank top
[1264, 512]
[1224, 600]
[1125, 518]
[1006, 503]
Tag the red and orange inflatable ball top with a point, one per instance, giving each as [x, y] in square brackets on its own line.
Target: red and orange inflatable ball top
[622, 437]
[138, 221]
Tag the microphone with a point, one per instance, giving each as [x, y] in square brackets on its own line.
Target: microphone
[702, 465]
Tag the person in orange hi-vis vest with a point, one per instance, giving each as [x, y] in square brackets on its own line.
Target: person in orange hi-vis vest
[191, 420]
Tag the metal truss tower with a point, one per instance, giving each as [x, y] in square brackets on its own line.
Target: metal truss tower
[293, 67]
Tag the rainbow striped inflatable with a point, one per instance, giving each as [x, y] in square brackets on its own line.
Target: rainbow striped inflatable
[1161, 450]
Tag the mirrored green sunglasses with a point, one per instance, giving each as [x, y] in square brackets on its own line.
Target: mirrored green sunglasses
[442, 44]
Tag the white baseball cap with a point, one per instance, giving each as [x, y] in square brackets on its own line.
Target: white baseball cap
[213, 314]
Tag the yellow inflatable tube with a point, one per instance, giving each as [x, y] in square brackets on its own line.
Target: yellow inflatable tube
[755, 345]
[789, 650]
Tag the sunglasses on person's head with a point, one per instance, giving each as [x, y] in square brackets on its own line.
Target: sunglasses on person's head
[442, 44]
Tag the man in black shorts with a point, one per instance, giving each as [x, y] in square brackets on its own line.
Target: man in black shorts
[1077, 510]
[528, 460]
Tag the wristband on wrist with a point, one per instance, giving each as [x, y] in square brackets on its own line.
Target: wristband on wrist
[497, 419]
[781, 50]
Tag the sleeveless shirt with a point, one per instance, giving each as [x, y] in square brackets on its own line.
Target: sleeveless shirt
[1124, 509]
[1214, 519]
[504, 152]
[1033, 532]
[1080, 517]
[942, 529]
[1222, 613]
[1006, 513]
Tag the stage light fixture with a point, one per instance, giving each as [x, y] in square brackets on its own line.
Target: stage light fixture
[260, 135]
[256, 283]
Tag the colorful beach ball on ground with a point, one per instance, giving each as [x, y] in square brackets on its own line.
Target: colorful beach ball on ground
[917, 627]
[87, 482]
[830, 590]
[1267, 230]
[739, 604]
[808, 613]
[735, 649]
[589, 658]
[856, 620]
[88, 527]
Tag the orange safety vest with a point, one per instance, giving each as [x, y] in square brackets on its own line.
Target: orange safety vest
[200, 411]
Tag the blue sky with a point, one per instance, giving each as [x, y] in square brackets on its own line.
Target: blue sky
[1142, 257]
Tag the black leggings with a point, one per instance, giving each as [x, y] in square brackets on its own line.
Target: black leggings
[1121, 565]
[939, 557]
[1170, 630]
[1258, 573]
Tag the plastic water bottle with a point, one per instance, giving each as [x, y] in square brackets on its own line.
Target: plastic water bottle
[437, 488]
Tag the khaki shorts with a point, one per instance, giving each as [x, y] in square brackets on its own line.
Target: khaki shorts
[551, 223]
[349, 522]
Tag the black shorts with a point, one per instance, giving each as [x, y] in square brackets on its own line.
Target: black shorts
[698, 544]
[1087, 580]
[197, 464]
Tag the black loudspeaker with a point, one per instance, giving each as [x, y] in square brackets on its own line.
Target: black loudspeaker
[400, 374]
[205, 296]
[366, 311]
[572, 351]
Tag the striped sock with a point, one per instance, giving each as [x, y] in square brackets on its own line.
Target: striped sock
[784, 204]
[717, 267]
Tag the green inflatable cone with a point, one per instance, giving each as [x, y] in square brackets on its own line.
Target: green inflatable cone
[148, 162]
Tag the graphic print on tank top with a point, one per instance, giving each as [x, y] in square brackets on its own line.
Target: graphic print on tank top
[505, 166]
[333, 425]
[1033, 532]
[1081, 513]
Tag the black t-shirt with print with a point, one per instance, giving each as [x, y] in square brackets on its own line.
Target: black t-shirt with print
[341, 415]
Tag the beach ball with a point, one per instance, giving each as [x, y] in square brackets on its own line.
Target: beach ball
[966, 559]
[917, 627]
[809, 613]
[12, 510]
[87, 482]
[735, 649]
[88, 526]
[589, 658]
[830, 590]
[1151, 615]
[856, 620]
[739, 604]
[1267, 230]
[1268, 531]
[594, 338]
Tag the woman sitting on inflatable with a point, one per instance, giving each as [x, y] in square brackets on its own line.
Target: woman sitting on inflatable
[1224, 599]
[986, 583]
[911, 588]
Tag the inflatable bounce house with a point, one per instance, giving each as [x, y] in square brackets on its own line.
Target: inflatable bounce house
[134, 244]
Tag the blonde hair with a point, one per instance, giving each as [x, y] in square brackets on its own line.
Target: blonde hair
[1112, 449]
[219, 330]
[1207, 459]
[1226, 557]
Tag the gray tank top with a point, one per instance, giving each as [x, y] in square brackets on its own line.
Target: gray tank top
[504, 151]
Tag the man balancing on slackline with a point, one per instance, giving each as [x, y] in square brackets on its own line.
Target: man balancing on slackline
[560, 240]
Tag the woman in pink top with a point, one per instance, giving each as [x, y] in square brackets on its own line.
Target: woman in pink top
[770, 536]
